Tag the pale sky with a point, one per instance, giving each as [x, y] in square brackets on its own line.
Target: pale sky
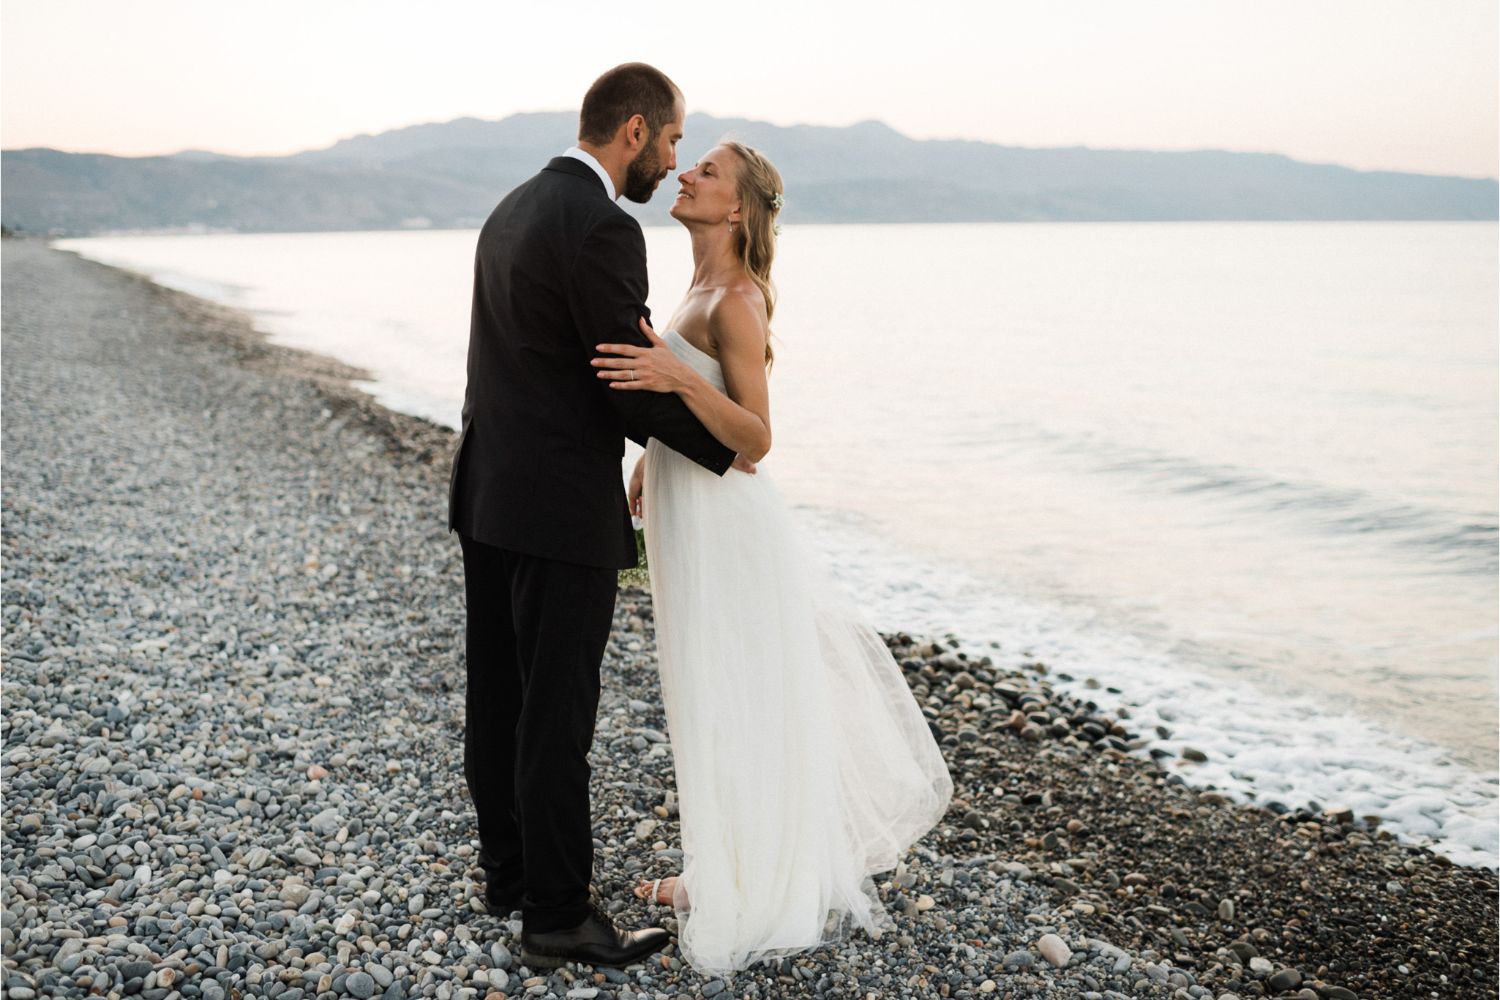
[1373, 84]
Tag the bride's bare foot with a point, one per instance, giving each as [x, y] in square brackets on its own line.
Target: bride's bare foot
[658, 890]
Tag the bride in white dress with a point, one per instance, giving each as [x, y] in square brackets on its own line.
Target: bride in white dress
[804, 765]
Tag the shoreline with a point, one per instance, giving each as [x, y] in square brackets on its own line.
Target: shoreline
[1265, 739]
[1050, 820]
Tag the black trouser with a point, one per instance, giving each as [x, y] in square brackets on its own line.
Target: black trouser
[536, 633]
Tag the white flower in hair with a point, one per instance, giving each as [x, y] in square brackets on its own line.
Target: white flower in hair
[776, 229]
[777, 200]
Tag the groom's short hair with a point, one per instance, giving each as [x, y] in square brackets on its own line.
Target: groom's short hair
[628, 89]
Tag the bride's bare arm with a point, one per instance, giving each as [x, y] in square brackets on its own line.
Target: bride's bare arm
[737, 325]
[742, 419]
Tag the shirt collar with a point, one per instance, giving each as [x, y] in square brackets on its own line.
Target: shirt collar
[578, 153]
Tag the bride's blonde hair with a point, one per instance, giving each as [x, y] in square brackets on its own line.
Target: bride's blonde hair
[759, 186]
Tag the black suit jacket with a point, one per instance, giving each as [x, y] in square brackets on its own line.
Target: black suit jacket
[559, 268]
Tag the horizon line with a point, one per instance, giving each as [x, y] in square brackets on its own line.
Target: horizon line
[757, 121]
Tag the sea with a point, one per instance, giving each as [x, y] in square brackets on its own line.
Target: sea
[1236, 478]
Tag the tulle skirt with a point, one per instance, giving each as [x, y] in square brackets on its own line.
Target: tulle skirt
[804, 765]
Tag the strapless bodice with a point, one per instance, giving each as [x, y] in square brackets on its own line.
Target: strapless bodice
[699, 361]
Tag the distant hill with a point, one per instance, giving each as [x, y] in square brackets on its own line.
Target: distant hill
[451, 174]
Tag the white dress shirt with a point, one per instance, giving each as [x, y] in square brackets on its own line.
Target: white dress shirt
[582, 154]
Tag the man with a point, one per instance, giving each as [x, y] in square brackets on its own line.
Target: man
[537, 499]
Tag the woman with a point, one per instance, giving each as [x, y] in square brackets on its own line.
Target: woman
[803, 763]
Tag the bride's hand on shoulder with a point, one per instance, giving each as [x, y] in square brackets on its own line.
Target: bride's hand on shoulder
[653, 368]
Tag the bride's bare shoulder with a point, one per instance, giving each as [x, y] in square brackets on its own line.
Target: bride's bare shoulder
[738, 313]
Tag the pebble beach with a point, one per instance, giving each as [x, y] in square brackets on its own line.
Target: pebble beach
[233, 709]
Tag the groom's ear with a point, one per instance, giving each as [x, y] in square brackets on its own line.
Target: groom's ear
[635, 131]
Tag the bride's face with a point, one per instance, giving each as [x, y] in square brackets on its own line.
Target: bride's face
[707, 191]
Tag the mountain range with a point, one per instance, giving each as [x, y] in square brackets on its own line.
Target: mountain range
[450, 174]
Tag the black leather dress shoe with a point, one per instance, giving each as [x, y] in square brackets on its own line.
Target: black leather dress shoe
[596, 941]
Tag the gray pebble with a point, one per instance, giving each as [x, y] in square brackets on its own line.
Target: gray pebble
[361, 985]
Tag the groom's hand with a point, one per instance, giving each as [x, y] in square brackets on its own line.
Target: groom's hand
[743, 464]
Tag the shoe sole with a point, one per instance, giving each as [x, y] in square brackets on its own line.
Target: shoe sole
[537, 960]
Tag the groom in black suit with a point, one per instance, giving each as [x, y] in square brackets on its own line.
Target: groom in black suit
[537, 498]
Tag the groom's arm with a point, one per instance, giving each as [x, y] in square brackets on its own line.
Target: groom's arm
[607, 297]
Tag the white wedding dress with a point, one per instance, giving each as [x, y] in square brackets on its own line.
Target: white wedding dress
[803, 762]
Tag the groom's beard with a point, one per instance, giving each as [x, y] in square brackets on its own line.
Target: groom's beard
[643, 174]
